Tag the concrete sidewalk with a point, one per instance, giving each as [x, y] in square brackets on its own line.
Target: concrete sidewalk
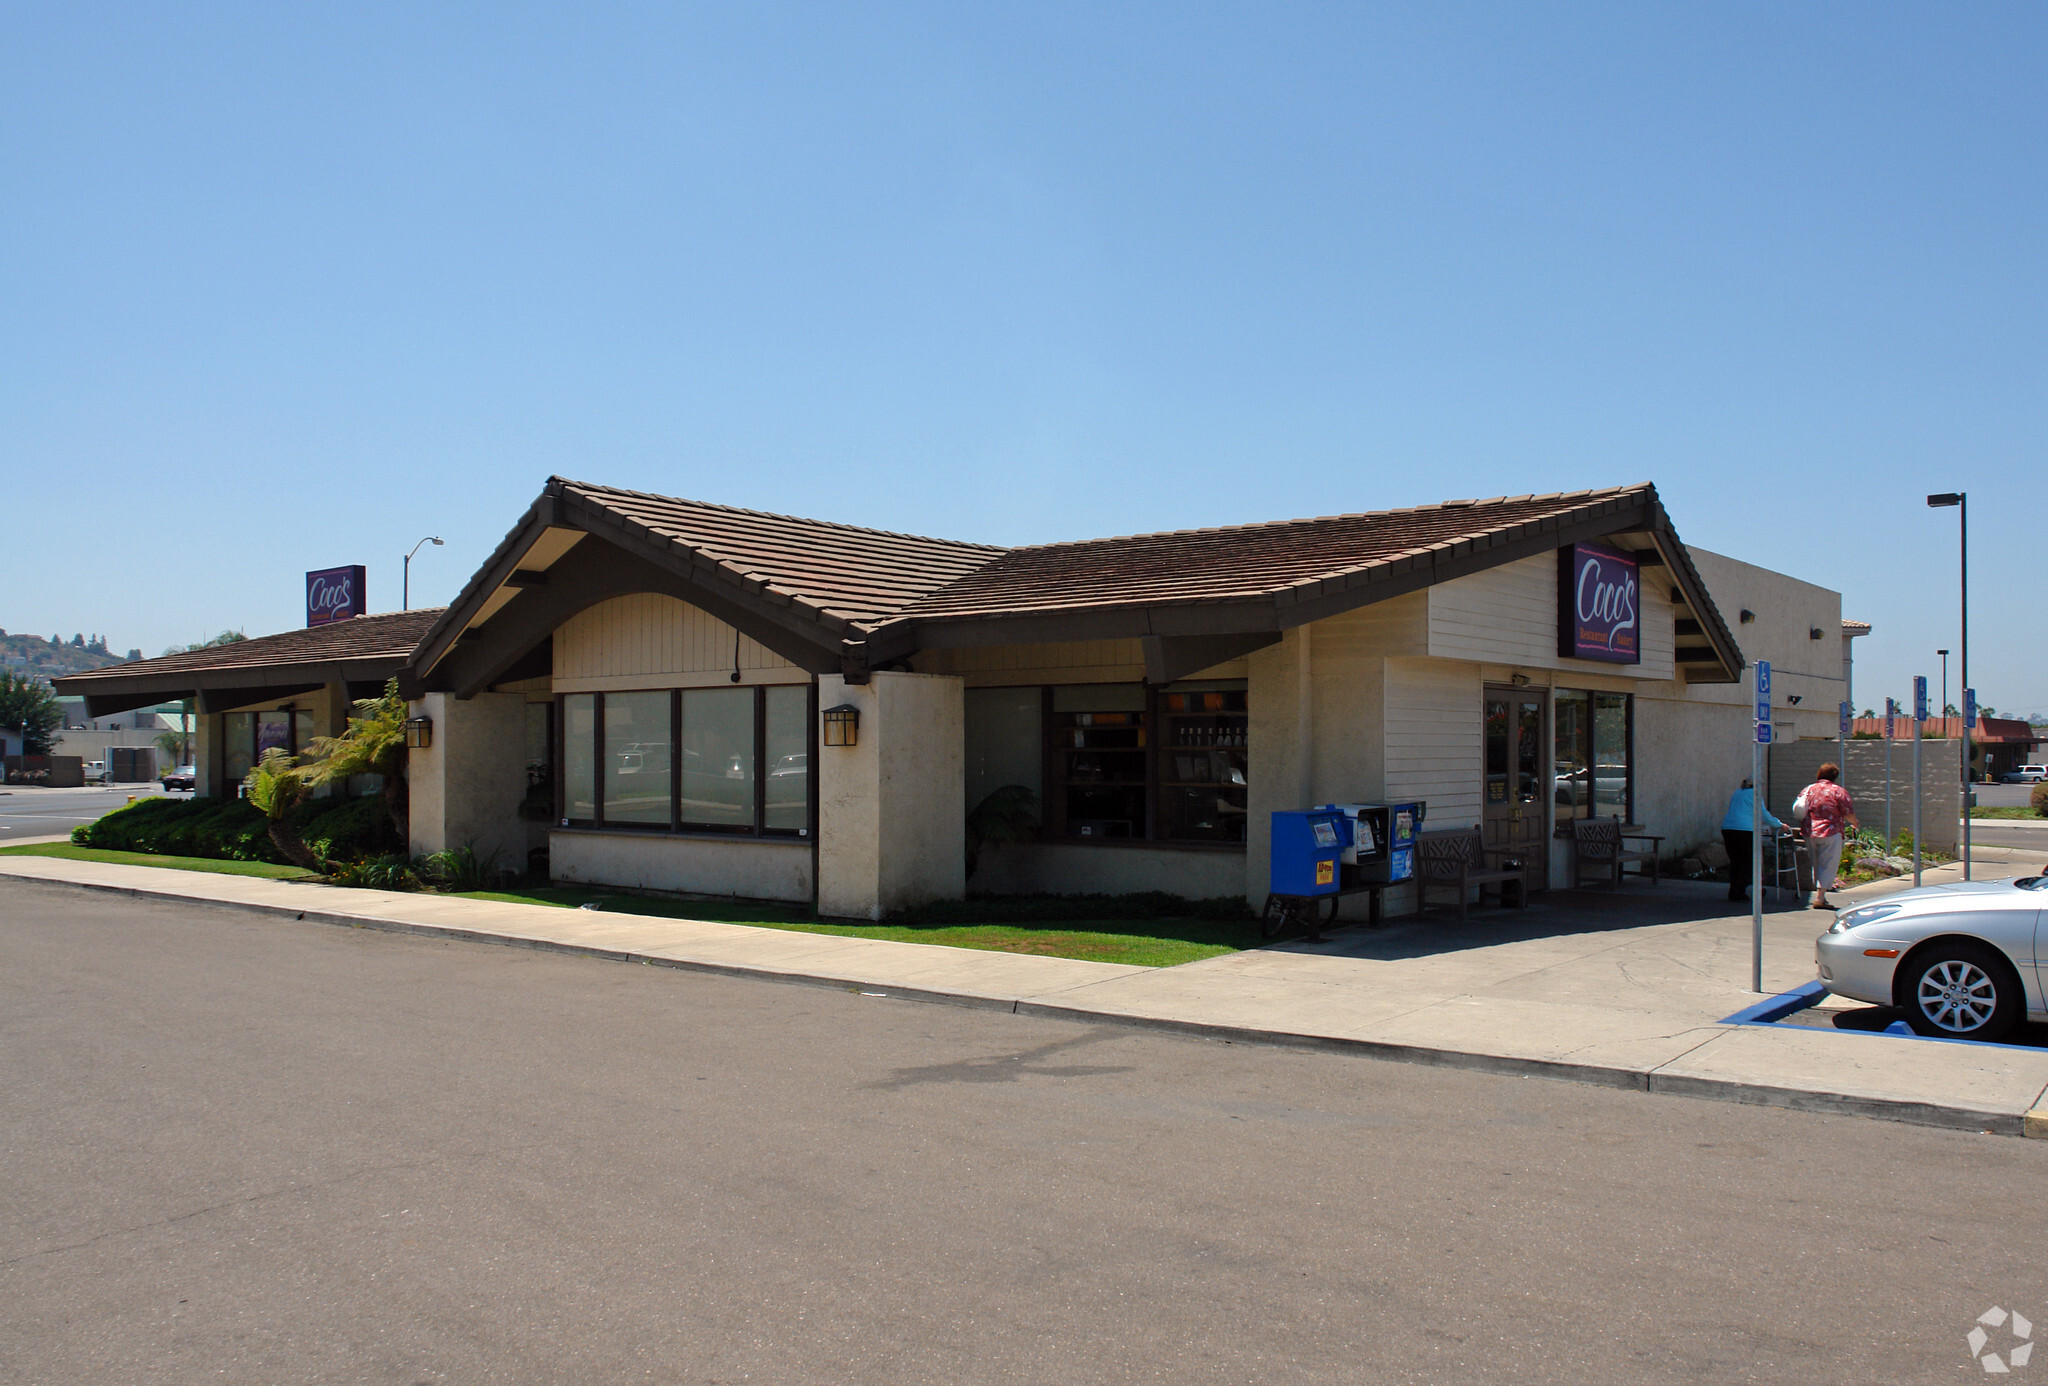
[1626, 988]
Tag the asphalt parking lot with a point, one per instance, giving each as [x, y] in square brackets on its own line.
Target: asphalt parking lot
[248, 1149]
[27, 811]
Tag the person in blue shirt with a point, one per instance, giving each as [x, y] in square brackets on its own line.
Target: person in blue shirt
[1735, 833]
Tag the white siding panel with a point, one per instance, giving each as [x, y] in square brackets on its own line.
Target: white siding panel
[1508, 616]
[1433, 721]
[649, 636]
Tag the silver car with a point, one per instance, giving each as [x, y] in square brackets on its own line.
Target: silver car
[1962, 961]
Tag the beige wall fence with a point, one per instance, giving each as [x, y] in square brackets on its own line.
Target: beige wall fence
[1793, 763]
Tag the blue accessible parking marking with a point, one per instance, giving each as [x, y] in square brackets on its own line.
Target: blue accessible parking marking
[1800, 1009]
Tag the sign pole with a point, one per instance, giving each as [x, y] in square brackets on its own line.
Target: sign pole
[1890, 710]
[1756, 825]
[1969, 740]
[1919, 726]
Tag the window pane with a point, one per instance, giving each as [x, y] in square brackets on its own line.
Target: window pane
[1573, 737]
[302, 730]
[579, 755]
[273, 730]
[636, 758]
[718, 756]
[1203, 762]
[1005, 742]
[1610, 754]
[238, 737]
[789, 765]
[1496, 743]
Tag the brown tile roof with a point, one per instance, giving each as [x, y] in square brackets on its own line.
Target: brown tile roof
[859, 575]
[1990, 730]
[392, 635]
[1240, 561]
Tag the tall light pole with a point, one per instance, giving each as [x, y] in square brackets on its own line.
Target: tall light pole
[1961, 501]
[405, 583]
[1944, 681]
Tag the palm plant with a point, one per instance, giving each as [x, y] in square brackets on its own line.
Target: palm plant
[374, 744]
[276, 786]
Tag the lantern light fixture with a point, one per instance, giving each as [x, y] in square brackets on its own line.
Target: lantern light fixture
[419, 733]
[842, 725]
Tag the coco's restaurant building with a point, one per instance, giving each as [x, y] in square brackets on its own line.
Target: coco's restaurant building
[672, 695]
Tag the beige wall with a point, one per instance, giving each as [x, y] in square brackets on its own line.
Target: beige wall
[647, 640]
[891, 809]
[739, 868]
[1075, 661]
[1787, 610]
[464, 790]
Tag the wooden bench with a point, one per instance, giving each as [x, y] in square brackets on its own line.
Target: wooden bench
[1455, 859]
[1600, 844]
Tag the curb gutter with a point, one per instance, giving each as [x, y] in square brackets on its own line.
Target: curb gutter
[2033, 1123]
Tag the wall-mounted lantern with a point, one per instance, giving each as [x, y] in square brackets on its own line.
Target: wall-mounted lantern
[419, 733]
[842, 725]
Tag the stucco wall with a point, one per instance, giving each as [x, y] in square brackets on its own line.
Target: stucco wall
[1065, 869]
[464, 789]
[891, 808]
[1787, 611]
[1691, 756]
[741, 868]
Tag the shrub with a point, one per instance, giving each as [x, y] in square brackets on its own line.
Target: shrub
[345, 830]
[2039, 798]
[224, 829]
[340, 830]
[392, 872]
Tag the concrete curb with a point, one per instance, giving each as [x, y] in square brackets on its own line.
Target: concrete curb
[2034, 1123]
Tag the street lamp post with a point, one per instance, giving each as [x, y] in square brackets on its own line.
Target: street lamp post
[1961, 501]
[1944, 681]
[405, 583]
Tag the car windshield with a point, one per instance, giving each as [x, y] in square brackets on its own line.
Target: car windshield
[2030, 882]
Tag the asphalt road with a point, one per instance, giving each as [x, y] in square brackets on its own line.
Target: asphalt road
[240, 1149]
[30, 812]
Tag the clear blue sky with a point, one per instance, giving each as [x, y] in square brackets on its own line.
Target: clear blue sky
[290, 286]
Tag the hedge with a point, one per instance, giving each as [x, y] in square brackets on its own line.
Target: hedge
[234, 830]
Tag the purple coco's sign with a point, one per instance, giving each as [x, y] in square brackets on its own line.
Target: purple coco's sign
[334, 594]
[1599, 605]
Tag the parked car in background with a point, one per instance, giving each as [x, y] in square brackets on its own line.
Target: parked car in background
[95, 772]
[1959, 959]
[2028, 774]
[181, 777]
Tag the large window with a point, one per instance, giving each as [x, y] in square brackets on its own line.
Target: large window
[1125, 762]
[728, 760]
[1595, 745]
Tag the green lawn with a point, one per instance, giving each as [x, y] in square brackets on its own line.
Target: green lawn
[1139, 942]
[69, 852]
[2020, 811]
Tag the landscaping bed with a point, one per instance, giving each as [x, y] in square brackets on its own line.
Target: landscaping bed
[71, 852]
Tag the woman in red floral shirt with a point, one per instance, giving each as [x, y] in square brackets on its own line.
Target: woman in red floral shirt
[1829, 813]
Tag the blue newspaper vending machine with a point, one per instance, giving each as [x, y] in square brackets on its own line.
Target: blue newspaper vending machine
[1306, 850]
[1383, 840]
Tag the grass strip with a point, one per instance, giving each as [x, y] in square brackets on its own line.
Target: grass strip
[2009, 811]
[69, 852]
[1135, 942]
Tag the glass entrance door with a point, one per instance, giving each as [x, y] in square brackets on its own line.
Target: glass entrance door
[1515, 817]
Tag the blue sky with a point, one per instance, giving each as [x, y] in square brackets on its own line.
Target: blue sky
[290, 286]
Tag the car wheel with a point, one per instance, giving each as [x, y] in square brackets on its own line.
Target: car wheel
[1960, 990]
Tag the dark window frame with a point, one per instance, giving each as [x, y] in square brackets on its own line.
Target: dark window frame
[1152, 724]
[676, 826]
